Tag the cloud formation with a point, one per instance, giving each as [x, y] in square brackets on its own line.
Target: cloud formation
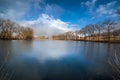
[57, 16]
[99, 11]
[48, 25]
[107, 9]
[90, 5]
[43, 25]
[53, 9]
[17, 12]
[17, 9]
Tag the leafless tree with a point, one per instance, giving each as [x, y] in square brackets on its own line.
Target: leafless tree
[99, 28]
[109, 25]
[8, 28]
[84, 30]
[90, 30]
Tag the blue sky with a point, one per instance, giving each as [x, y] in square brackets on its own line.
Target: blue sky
[57, 16]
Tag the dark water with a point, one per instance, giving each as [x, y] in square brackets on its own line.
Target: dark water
[56, 60]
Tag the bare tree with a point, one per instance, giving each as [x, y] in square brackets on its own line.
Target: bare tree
[8, 28]
[29, 33]
[84, 30]
[99, 28]
[109, 25]
[90, 30]
[80, 33]
[77, 35]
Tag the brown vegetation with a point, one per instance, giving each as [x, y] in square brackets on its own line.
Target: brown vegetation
[10, 30]
[101, 32]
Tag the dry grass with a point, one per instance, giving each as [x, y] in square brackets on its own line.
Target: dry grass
[114, 39]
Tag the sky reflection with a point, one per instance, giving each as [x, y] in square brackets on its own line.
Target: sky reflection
[58, 60]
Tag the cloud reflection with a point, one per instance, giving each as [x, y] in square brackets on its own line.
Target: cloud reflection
[50, 50]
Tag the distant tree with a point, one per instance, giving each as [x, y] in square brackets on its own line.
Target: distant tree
[90, 30]
[116, 33]
[81, 33]
[8, 28]
[6, 32]
[28, 32]
[77, 34]
[109, 25]
[84, 30]
[99, 28]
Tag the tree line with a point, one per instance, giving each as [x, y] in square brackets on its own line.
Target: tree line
[100, 31]
[105, 31]
[10, 30]
[97, 31]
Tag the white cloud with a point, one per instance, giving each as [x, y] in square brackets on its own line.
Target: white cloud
[47, 25]
[107, 9]
[53, 10]
[19, 9]
[90, 4]
[37, 4]
[16, 11]
[44, 24]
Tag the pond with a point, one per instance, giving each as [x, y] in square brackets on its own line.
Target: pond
[56, 60]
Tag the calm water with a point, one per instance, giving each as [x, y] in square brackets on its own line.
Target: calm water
[56, 60]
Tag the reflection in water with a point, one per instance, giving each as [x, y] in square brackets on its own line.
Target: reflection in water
[55, 60]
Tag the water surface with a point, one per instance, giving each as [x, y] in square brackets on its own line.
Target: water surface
[56, 60]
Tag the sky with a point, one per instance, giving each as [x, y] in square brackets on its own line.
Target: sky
[48, 17]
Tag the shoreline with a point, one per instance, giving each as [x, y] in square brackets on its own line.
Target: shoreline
[117, 42]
